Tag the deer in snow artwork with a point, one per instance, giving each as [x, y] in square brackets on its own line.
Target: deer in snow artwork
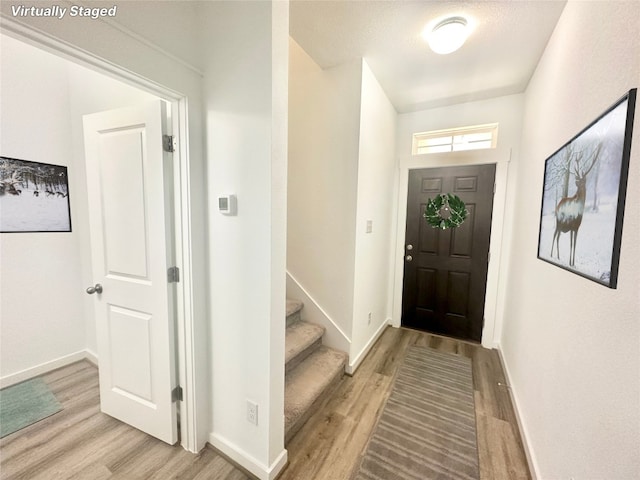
[570, 210]
[583, 196]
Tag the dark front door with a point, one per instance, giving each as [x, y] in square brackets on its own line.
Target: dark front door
[445, 271]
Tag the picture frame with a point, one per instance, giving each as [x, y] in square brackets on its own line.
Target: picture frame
[34, 197]
[583, 196]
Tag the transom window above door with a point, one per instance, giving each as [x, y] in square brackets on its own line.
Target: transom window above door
[455, 140]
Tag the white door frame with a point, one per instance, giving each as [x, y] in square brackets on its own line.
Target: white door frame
[185, 335]
[494, 301]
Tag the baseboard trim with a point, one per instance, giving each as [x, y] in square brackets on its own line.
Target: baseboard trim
[91, 357]
[46, 367]
[246, 461]
[334, 337]
[352, 366]
[531, 462]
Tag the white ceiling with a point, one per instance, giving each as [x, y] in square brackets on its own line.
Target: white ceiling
[498, 58]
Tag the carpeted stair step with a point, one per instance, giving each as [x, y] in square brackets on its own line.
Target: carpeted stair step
[307, 385]
[301, 339]
[293, 311]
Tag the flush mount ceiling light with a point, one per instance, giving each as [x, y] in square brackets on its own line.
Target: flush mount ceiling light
[448, 35]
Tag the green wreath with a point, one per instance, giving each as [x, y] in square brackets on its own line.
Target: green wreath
[445, 211]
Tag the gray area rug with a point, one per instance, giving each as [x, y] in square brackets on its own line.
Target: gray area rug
[24, 404]
[427, 429]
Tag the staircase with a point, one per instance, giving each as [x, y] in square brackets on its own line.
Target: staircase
[312, 370]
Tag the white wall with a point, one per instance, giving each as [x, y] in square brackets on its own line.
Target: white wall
[341, 175]
[507, 112]
[72, 92]
[375, 187]
[324, 128]
[42, 316]
[571, 346]
[244, 47]
[107, 43]
[245, 85]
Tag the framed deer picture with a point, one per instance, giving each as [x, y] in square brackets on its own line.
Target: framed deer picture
[583, 197]
[34, 197]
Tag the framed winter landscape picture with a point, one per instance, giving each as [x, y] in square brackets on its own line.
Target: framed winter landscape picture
[34, 197]
[583, 197]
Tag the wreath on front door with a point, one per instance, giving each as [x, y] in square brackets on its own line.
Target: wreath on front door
[445, 211]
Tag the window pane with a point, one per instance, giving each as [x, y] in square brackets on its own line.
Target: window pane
[458, 139]
[472, 146]
[434, 149]
[428, 142]
[472, 137]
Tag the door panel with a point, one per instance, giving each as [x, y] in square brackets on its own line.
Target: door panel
[130, 256]
[130, 352]
[122, 192]
[445, 270]
[462, 236]
[426, 289]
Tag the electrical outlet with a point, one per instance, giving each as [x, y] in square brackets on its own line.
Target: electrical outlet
[369, 320]
[252, 412]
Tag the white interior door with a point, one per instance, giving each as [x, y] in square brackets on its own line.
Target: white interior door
[130, 254]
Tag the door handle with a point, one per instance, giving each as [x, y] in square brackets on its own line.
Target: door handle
[409, 247]
[96, 289]
[409, 258]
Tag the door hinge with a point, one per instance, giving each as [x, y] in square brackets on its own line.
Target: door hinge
[494, 188]
[173, 275]
[488, 257]
[168, 143]
[176, 394]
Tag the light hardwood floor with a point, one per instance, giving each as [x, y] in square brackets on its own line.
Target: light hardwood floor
[329, 445]
[82, 443]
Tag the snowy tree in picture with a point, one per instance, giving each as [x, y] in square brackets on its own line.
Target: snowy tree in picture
[34, 197]
[583, 196]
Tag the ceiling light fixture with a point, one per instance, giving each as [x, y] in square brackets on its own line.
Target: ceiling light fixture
[448, 35]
